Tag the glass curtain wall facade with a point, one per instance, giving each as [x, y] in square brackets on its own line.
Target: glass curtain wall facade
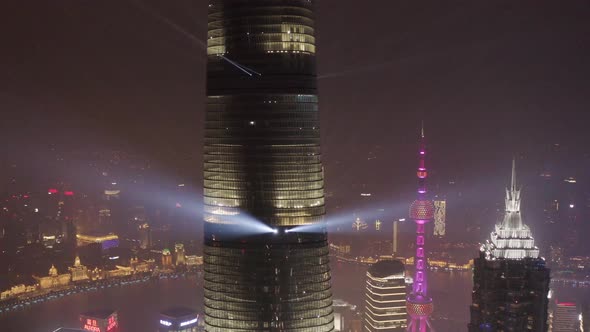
[263, 175]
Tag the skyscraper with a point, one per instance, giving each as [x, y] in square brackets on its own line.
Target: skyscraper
[440, 217]
[419, 304]
[510, 280]
[263, 176]
[385, 297]
[564, 317]
[585, 317]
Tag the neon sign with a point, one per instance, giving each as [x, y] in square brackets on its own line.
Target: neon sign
[112, 324]
[93, 326]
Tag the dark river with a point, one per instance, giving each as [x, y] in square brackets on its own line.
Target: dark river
[139, 304]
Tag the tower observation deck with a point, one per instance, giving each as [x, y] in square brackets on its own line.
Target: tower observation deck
[419, 305]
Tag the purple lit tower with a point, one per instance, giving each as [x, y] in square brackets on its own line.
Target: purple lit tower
[419, 304]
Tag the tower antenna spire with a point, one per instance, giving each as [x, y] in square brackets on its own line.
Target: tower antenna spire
[422, 129]
[513, 180]
[418, 304]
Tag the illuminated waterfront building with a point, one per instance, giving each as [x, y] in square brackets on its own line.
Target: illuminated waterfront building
[79, 272]
[179, 252]
[106, 240]
[385, 297]
[54, 279]
[193, 260]
[266, 257]
[100, 321]
[510, 280]
[17, 290]
[166, 259]
[118, 271]
[179, 320]
[419, 304]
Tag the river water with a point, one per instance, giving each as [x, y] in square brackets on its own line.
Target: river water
[139, 304]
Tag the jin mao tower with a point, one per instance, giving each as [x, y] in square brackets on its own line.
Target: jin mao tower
[510, 280]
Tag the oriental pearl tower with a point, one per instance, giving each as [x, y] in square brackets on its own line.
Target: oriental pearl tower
[419, 305]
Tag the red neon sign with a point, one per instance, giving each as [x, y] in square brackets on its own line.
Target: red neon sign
[52, 191]
[68, 193]
[91, 326]
[112, 324]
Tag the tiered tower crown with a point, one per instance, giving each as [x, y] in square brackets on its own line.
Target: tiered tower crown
[511, 239]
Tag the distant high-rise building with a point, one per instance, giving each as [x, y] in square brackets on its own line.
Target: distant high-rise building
[585, 317]
[419, 304]
[564, 317]
[556, 256]
[385, 297]
[440, 218]
[263, 174]
[510, 280]
[359, 225]
[346, 317]
[394, 240]
[145, 236]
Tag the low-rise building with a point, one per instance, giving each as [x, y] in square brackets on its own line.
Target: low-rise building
[79, 272]
[54, 279]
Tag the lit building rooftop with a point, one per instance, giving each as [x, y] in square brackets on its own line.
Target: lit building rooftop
[178, 312]
[387, 268]
[96, 238]
[100, 314]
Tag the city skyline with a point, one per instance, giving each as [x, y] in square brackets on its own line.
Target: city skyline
[171, 154]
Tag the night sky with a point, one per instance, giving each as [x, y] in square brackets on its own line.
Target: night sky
[490, 79]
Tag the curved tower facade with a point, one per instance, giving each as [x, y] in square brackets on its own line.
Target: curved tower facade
[419, 304]
[263, 171]
[385, 297]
